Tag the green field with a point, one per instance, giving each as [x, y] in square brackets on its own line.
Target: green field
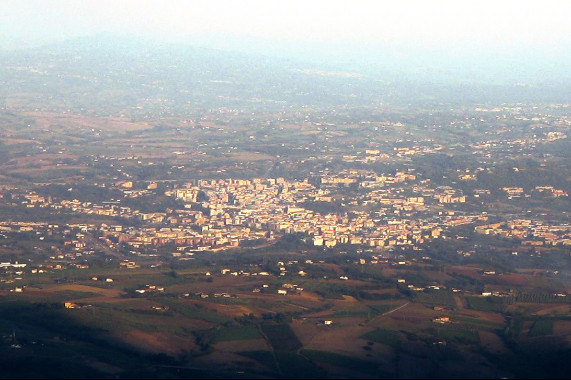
[281, 337]
[458, 335]
[237, 333]
[264, 357]
[479, 322]
[344, 361]
[331, 290]
[541, 327]
[371, 312]
[288, 364]
[435, 297]
[195, 311]
[388, 337]
[484, 304]
[296, 366]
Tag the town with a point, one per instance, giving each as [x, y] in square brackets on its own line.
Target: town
[190, 213]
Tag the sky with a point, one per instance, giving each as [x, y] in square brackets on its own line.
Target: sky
[26, 23]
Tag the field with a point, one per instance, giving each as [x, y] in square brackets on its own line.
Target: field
[345, 362]
[192, 324]
[484, 304]
[388, 337]
[541, 328]
[281, 337]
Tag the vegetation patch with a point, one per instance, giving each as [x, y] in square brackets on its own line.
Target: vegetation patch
[281, 337]
[330, 289]
[388, 337]
[541, 327]
[486, 304]
[343, 361]
[70, 294]
[539, 297]
[296, 366]
[195, 311]
[350, 313]
[237, 333]
[479, 322]
[372, 311]
[436, 297]
[264, 357]
[459, 336]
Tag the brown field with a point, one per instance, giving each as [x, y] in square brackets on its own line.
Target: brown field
[473, 272]
[231, 310]
[349, 299]
[47, 119]
[227, 360]
[293, 302]
[309, 296]
[15, 141]
[458, 301]
[562, 328]
[554, 309]
[389, 272]
[242, 345]
[334, 267]
[158, 342]
[412, 317]
[436, 276]
[483, 315]
[107, 293]
[31, 171]
[307, 133]
[339, 339]
[493, 343]
[514, 279]
[248, 156]
[540, 308]
[43, 157]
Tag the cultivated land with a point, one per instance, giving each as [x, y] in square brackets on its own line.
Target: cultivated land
[180, 225]
[184, 320]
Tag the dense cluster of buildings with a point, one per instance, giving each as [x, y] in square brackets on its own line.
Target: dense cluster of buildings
[376, 210]
[530, 232]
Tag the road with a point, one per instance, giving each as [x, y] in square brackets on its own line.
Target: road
[388, 312]
[98, 243]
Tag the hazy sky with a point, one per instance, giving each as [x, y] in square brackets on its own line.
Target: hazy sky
[505, 22]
